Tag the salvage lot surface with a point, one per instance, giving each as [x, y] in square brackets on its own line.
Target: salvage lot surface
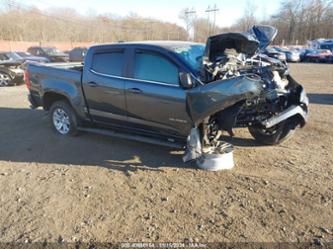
[92, 188]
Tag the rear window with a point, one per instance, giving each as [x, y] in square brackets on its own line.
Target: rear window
[110, 63]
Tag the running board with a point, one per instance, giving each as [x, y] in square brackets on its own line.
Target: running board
[132, 137]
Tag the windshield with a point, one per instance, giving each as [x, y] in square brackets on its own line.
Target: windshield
[192, 54]
[320, 51]
[51, 51]
[23, 54]
[324, 51]
[284, 50]
[329, 47]
[14, 56]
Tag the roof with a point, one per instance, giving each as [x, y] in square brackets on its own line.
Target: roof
[169, 45]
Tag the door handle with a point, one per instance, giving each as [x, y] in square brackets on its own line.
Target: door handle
[134, 90]
[92, 84]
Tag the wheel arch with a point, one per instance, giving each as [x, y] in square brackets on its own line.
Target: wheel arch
[51, 97]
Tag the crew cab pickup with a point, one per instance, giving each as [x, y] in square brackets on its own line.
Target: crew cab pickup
[157, 92]
[132, 88]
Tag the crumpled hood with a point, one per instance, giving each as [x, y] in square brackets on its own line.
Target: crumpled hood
[264, 34]
[248, 43]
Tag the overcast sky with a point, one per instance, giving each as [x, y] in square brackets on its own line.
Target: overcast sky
[166, 10]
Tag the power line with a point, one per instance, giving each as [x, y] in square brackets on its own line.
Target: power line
[189, 13]
[213, 10]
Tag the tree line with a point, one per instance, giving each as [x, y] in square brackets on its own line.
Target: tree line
[296, 20]
[26, 23]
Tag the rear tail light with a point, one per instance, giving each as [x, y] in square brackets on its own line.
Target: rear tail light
[26, 79]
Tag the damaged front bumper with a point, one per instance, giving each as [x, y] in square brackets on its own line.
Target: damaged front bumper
[300, 111]
[221, 95]
[286, 114]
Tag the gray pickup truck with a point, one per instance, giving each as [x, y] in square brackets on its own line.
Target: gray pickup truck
[178, 94]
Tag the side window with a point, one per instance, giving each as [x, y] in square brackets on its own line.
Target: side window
[110, 63]
[154, 67]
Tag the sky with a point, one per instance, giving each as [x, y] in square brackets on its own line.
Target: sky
[165, 10]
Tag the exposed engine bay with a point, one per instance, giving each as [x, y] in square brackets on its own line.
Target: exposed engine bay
[244, 88]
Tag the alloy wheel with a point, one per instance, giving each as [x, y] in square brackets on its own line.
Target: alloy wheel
[4, 79]
[61, 121]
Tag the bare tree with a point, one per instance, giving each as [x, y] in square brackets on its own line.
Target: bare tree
[248, 19]
[28, 23]
[296, 20]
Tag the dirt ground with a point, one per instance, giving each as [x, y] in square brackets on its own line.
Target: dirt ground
[94, 188]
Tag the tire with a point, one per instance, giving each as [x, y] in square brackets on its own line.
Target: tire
[63, 118]
[5, 79]
[275, 135]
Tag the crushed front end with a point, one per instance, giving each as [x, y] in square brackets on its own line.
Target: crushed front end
[244, 88]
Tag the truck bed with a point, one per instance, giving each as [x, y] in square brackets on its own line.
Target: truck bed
[59, 78]
[68, 72]
[66, 65]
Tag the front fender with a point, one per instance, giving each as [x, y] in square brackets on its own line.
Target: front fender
[203, 101]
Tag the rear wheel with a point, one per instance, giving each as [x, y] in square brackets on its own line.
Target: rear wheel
[63, 118]
[5, 79]
[271, 136]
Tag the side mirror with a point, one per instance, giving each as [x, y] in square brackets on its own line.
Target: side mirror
[185, 80]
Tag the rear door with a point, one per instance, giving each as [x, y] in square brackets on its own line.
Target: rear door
[154, 98]
[104, 86]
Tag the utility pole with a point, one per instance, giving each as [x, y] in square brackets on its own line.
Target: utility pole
[209, 10]
[188, 15]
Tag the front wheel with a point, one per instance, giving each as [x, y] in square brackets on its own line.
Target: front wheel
[63, 118]
[271, 136]
[5, 79]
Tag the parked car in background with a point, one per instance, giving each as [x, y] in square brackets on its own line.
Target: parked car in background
[291, 55]
[330, 59]
[319, 55]
[304, 52]
[272, 52]
[77, 54]
[11, 72]
[51, 53]
[11, 56]
[27, 57]
[327, 45]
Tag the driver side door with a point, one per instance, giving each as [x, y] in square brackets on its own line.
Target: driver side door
[154, 98]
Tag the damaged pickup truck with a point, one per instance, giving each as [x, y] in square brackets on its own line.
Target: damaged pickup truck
[178, 94]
